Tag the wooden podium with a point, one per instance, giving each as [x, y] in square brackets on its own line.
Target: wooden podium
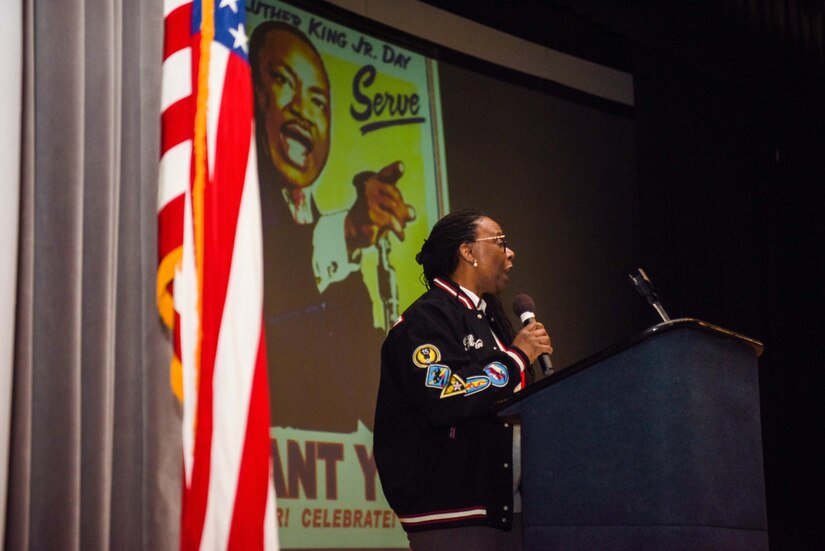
[652, 444]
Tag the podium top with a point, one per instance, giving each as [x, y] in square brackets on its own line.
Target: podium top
[651, 332]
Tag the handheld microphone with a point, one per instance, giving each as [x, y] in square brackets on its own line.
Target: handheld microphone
[524, 308]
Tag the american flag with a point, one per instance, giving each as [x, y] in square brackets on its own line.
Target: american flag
[210, 276]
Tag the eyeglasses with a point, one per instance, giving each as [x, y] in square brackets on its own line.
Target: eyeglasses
[502, 242]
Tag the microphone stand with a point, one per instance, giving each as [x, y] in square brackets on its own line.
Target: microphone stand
[387, 282]
[645, 288]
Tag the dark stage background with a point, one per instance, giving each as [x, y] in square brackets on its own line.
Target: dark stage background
[729, 154]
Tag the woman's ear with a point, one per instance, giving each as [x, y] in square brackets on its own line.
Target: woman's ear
[466, 252]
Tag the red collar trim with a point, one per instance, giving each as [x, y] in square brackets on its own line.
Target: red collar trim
[457, 293]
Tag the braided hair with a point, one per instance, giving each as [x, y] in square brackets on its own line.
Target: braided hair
[439, 257]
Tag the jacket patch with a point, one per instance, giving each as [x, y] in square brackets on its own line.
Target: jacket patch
[425, 355]
[498, 374]
[437, 376]
[454, 388]
[471, 342]
[476, 384]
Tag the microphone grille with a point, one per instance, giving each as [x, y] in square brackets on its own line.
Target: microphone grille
[523, 303]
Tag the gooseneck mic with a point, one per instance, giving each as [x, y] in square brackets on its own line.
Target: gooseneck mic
[645, 288]
[524, 308]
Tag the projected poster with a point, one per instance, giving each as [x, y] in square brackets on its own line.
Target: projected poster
[351, 168]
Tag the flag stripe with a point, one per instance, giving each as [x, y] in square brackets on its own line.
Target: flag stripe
[174, 167]
[251, 515]
[176, 83]
[177, 133]
[177, 28]
[169, 7]
[186, 303]
[218, 64]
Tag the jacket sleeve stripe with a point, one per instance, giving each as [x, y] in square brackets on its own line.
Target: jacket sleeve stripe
[443, 516]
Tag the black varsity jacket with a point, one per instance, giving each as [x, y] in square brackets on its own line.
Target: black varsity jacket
[442, 459]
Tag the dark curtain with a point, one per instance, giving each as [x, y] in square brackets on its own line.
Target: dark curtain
[732, 187]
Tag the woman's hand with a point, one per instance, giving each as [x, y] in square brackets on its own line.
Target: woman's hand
[533, 340]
